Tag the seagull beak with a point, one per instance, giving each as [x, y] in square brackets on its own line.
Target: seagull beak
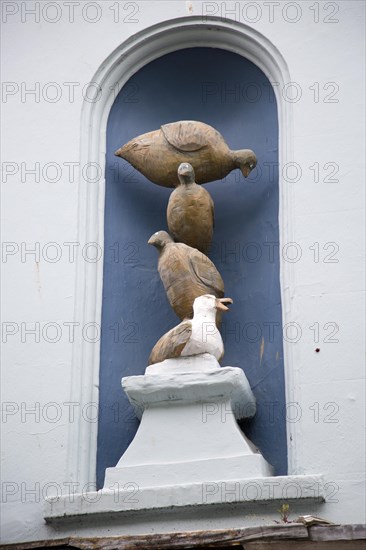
[117, 153]
[220, 303]
[150, 241]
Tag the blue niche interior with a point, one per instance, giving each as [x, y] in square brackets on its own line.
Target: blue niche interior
[232, 94]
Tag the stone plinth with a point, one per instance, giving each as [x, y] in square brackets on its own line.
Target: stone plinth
[188, 432]
[189, 453]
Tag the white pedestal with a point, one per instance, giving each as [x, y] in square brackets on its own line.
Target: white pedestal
[188, 432]
[188, 456]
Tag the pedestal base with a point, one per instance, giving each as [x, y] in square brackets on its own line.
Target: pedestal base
[129, 509]
[188, 458]
[188, 432]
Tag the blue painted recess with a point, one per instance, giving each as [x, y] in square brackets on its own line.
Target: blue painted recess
[230, 93]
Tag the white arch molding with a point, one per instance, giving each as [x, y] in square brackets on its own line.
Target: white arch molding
[115, 71]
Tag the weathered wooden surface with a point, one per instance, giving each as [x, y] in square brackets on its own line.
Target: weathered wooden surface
[201, 540]
[277, 537]
[158, 154]
[337, 532]
[190, 211]
[57, 543]
[306, 545]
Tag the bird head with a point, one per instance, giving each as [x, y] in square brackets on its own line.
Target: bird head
[160, 239]
[186, 173]
[209, 303]
[245, 160]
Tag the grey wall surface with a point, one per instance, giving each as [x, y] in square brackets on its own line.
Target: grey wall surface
[233, 95]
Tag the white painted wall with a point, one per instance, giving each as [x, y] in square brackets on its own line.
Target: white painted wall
[35, 449]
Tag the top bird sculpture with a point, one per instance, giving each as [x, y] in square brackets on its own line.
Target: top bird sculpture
[186, 274]
[194, 336]
[190, 212]
[158, 154]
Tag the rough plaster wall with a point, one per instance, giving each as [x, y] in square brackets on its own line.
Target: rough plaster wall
[35, 449]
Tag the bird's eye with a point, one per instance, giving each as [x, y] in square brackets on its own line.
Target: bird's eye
[251, 166]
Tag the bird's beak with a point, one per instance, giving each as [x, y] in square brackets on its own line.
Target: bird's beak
[220, 303]
[117, 153]
[150, 241]
[246, 171]
[184, 172]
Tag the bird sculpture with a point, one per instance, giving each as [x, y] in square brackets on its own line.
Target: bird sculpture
[194, 336]
[158, 154]
[190, 212]
[186, 273]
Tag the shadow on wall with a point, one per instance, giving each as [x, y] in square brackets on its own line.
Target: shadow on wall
[230, 93]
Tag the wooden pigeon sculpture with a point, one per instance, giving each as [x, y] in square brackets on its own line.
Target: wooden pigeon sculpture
[186, 273]
[190, 212]
[194, 336]
[158, 154]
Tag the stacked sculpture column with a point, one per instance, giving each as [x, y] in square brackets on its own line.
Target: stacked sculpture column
[184, 377]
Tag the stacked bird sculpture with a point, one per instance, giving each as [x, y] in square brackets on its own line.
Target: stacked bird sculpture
[186, 273]
[194, 336]
[190, 212]
[182, 155]
[158, 154]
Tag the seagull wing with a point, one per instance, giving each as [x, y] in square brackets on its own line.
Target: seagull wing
[186, 135]
[172, 343]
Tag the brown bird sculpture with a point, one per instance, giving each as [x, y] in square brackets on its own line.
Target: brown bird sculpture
[186, 273]
[194, 336]
[190, 212]
[158, 154]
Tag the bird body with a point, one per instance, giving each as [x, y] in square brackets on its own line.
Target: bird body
[204, 331]
[190, 212]
[158, 154]
[186, 273]
[193, 336]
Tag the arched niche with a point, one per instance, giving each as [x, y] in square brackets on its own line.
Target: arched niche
[118, 68]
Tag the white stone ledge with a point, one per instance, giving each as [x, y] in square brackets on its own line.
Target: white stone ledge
[128, 498]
